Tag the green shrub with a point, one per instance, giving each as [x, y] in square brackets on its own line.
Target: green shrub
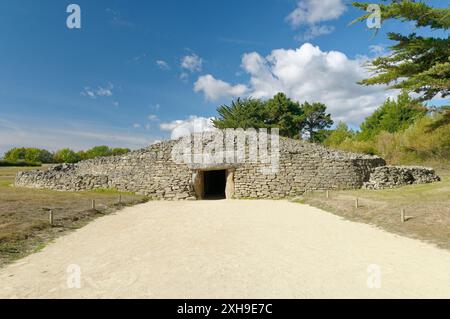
[392, 116]
[120, 151]
[339, 135]
[428, 139]
[4, 163]
[98, 151]
[353, 145]
[32, 155]
[66, 155]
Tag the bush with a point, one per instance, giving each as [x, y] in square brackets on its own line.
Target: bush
[389, 146]
[120, 151]
[425, 140]
[4, 163]
[392, 116]
[29, 156]
[66, 155]
[353, 145]
[98, 151]
[33, 155]
[339, 135]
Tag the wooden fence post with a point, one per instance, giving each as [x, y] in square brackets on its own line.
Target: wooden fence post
[357, 202]
[50, 217]
[328, 194]
[120, 199]
[93, 204]
[402, 215]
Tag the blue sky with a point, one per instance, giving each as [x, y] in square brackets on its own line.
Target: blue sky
[138, 70]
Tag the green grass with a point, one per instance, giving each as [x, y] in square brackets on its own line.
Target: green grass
[24, 223]
[5, 183]
[428, 205]
[108, 191]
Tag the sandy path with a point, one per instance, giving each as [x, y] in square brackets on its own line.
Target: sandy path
[229, 249]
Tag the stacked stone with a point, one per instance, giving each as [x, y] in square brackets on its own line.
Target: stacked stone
[396, 176]
[153, 172]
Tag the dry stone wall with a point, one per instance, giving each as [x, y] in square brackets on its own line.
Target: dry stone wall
[153, 172]
[396, 176]
[149, 171]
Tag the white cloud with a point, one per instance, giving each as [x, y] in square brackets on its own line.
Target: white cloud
[136, 125]
[99, 92]
[153, 117]
[310, 12]
[216, 89]
[116, 104]
[315, 31]
[305, 74]
[192, 63]
[163, 65]
[190, 125]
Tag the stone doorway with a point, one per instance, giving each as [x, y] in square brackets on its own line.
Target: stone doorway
[214, 184]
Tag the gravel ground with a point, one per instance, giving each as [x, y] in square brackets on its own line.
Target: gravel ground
[229, 249]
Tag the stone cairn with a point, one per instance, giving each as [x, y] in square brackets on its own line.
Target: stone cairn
[397, 176]
[302, 167]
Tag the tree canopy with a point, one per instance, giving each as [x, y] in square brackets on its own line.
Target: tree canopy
[315, 120]
[242, 113]
[33, 155]
[419, 64]
[392, 116]
[65, 155]
[339, 135]
[292, 119]
[285, 114]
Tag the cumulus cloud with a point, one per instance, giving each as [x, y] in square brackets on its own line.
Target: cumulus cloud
[192, 63]
[153, 117]
[215, 89]
[311, 13]
[180, 128]
[307, 74]
[99, 91]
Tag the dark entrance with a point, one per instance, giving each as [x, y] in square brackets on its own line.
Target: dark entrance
[214, 184]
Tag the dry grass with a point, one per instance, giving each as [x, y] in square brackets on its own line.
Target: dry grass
[24, 224]
[427, 207]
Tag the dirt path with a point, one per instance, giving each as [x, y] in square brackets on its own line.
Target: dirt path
[229, 249]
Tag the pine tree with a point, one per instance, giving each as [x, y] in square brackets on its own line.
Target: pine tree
[242, 113]
[416, 64]
[315, 120]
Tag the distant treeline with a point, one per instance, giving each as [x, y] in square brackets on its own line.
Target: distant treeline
[29, 156]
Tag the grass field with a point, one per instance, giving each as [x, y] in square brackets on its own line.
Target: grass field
[24, 222]
[427, 208]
